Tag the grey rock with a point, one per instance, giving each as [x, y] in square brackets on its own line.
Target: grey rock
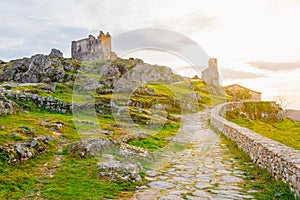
[51, 87]
[110, 71]
[25, 150]
[201, 185]
[131, 151]
[69, 67]
[55, 53]
[170, 197]
[117, 170]
[201, 193]
[144, 73]
[161, 185]
[197, 198]
[7, 106]
[231, 179]
[39, 68]
[91, 146]
[152, 173]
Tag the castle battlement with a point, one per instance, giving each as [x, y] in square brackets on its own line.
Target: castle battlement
[93, 48]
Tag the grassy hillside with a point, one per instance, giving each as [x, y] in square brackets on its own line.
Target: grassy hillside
[286, 132]
[58, 174]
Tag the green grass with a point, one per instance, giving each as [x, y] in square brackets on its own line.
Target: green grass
[63, 92]
[286, 132]
[159, 140]
[35, 122]
[162, 89]
[21, 178]
[256, 178]
[78, 179]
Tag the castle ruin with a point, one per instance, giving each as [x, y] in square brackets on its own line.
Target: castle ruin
[92, 48]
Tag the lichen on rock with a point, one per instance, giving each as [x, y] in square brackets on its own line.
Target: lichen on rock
[7, 106]
[91, 146]
[21, 151]
[119, 171]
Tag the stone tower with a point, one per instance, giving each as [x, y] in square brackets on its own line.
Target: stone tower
[92, 48]
[211, 74]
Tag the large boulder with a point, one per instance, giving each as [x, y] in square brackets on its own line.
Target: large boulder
[110, 71]
[91, 146]
[130, 151]
[39, 69]
[25, 150]
[145, 73]
[119, 171]
[55, 53]
[7, 106]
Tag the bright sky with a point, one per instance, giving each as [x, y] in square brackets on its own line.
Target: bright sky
[256, 41]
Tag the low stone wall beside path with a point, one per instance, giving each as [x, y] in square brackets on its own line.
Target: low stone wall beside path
[282, 162]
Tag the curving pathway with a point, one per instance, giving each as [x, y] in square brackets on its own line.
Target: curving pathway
[201, 171]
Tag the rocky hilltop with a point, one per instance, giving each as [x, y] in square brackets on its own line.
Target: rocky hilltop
[55, 110]
[100, 129]
[39, 69]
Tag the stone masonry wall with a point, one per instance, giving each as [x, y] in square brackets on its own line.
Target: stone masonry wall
[93, 48]
[281, 161]
[50, 103]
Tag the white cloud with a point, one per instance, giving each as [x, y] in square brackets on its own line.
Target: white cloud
[229, 30]
[276, 66]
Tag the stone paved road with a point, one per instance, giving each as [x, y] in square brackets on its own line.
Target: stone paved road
[201, 171]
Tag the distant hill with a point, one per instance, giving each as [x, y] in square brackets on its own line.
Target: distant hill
[293, 114]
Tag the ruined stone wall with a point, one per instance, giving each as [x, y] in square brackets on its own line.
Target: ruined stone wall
[92, 48]
[281, 161]
[51, 104]
[106, 45]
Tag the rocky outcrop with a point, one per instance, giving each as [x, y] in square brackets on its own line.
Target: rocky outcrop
[111, 71]
[119, 171]
[91, 146]
[281, 161]
[55, 105]
[25, 150]
[55, 53]
[7, 106]
[130, 151]
[47, 103]
[211, 74]
[39, 69]
[145, 73]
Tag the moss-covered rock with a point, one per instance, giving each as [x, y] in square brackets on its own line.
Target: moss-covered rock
[91, 146]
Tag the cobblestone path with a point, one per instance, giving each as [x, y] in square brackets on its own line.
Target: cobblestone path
[201, 171]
